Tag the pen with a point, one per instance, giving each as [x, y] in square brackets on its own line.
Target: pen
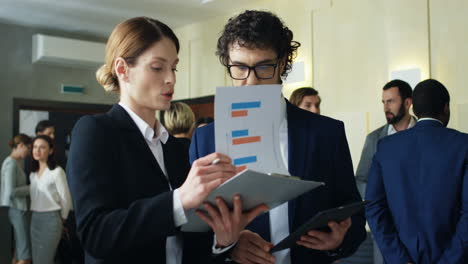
[215, 161]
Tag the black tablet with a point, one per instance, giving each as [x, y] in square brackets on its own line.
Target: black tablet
[320, 222]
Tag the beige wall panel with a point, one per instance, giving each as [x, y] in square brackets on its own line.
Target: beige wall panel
[449, 54]
[355, 128]
[349, 55]
[200, 71]
[356, 45]
[204, 78]
[462, 117]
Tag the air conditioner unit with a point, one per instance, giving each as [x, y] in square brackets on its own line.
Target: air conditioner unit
[67, 52]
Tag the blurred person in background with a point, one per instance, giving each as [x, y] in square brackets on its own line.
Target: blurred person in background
[14, 194]
[179, 121]
[306, 98]
[50, 201]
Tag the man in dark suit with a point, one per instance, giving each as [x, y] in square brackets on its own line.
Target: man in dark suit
[256, 49]
[418, 186]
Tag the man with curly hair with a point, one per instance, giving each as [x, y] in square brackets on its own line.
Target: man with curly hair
[257, 48]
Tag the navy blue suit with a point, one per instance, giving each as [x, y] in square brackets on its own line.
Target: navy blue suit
[318, 151]
[123, 204]
[418, 187]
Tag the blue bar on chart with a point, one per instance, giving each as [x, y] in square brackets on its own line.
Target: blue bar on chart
[245, 160]
[246, 105]
[240, 133]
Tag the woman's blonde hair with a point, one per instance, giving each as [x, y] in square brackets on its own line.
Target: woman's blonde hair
[129, 40]
[179, 118]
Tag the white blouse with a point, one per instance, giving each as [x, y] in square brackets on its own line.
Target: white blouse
[50, 192]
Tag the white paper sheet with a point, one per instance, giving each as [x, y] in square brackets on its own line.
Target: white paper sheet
[247, 126]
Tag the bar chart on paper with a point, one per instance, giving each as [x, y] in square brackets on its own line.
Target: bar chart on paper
[247, 126]
[241, 137]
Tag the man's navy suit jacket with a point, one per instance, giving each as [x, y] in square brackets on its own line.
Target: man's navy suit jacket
[318, 151]
[123, 204]
[418, 187]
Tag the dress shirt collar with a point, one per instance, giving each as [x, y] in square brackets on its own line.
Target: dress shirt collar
[145, 129]
[429, 118]
[392, 130]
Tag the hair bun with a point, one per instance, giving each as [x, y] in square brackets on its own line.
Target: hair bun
[106, 79]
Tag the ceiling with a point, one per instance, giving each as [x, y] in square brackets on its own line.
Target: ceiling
[98, 17]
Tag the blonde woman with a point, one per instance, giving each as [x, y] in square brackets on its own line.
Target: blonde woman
[14, 194]
[179, 121]
[50, 201]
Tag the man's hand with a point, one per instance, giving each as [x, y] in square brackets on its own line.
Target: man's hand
[228, 225]
[252, 249]
[204, 177]
[326, 240]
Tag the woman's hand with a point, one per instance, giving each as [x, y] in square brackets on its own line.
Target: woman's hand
[227, 225]
[204, 177]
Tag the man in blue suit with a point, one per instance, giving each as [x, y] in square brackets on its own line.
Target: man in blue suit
[257, 48]
[418, 186]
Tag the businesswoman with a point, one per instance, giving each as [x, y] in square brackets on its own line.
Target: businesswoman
[50, 201]
[14, 194]
[130, 180]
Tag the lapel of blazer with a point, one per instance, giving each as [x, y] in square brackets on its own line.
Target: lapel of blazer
[298, 144]
[383, 132]
[130, 130]
[174, 161]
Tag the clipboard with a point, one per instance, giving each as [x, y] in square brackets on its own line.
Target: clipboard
[255, 188]
[320, 221]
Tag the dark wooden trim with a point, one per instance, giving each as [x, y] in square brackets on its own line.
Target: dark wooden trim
[53, 106]
[198, 100]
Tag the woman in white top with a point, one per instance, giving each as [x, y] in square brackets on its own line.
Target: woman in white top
[14, 194]
[50, 201]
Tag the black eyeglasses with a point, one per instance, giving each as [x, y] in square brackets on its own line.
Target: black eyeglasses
[242, 72]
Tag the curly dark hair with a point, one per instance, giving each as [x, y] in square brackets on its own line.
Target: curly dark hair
[261, 30]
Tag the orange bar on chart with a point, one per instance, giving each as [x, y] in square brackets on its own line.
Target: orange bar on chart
[239, 113]
[245, 140]
[240, 168]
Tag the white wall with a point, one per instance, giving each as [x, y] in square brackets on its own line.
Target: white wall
[449, 54]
